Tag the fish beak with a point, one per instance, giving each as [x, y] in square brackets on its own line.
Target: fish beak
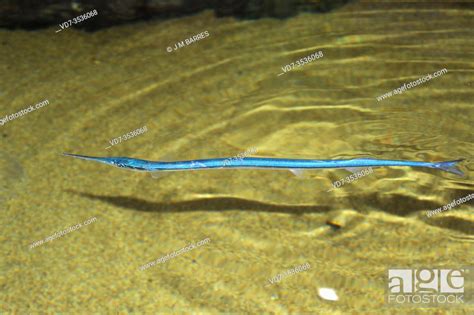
[90, 158]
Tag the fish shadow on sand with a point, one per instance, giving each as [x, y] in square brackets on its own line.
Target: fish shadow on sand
[395, 204]
[206, 204]
[402, 205]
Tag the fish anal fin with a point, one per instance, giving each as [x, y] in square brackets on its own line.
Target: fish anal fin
[159, 174]
[354, 170]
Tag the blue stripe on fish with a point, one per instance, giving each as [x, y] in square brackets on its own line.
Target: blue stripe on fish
[261, 162]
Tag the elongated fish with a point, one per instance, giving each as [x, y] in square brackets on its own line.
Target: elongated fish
[262, 162]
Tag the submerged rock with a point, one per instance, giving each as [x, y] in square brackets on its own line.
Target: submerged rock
[32, 14]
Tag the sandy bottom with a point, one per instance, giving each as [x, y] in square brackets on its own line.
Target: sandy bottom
[219, 97]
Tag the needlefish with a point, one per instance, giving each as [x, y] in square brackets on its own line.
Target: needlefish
[294, 165]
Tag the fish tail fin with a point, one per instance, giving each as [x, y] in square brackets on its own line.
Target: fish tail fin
[450, 166]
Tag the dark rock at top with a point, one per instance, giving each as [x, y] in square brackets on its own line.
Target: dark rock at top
[33, 14]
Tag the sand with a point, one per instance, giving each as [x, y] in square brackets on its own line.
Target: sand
[219, 97]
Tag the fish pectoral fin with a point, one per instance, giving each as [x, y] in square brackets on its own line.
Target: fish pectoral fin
[298, 172]
[305, 173]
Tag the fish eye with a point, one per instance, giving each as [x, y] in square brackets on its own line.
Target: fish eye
[118, 164]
